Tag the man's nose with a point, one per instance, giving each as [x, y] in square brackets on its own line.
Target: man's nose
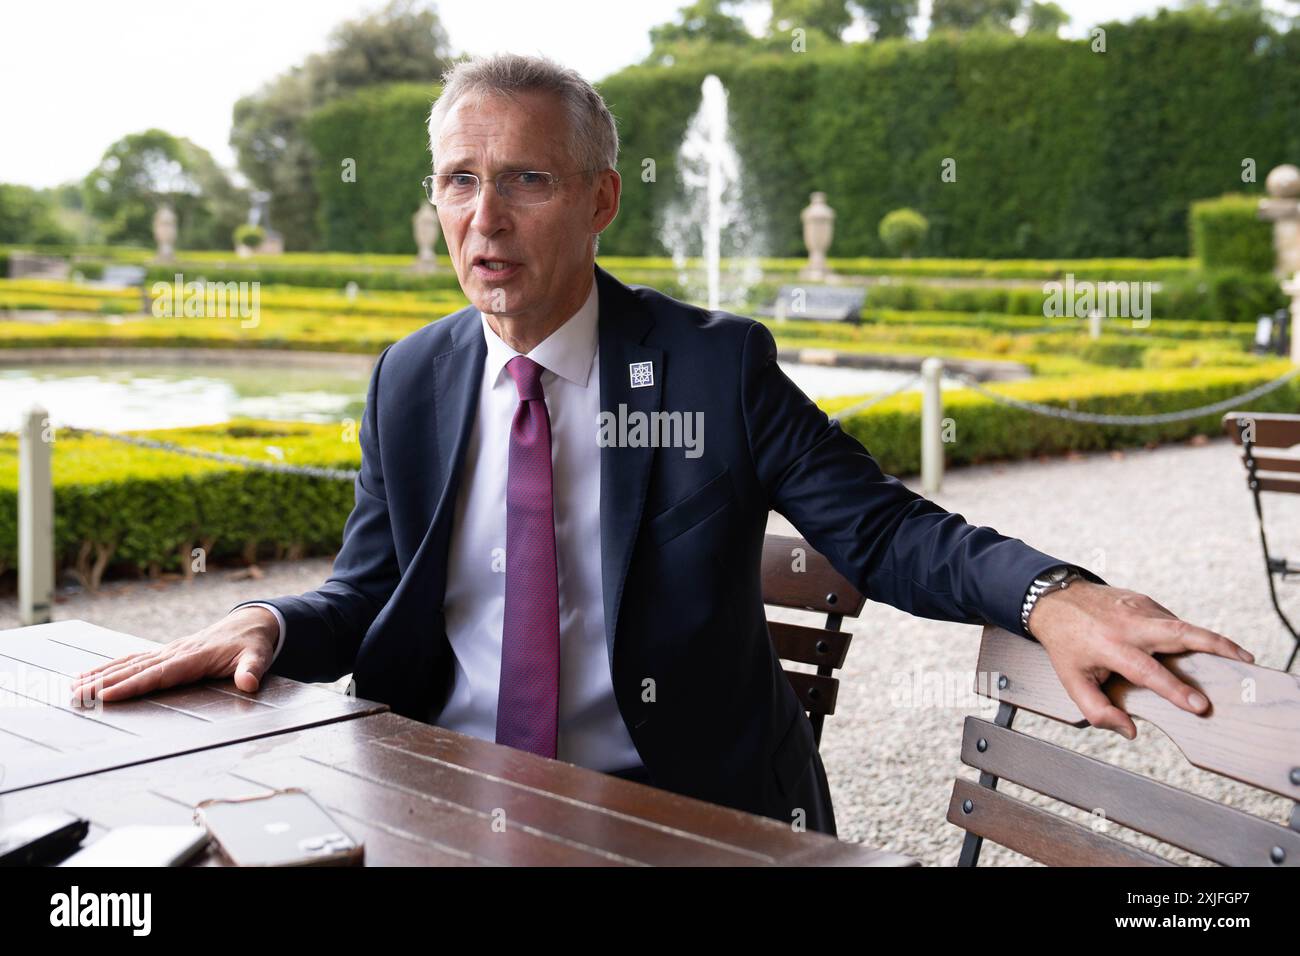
[490, 211]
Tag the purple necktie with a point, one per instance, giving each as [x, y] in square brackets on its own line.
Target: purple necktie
[529, 697]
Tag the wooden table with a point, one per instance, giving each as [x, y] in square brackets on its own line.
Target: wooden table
[45, 737]
[413, 793]
[421, 795]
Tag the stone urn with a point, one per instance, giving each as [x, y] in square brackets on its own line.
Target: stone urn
[164, 233]
[424, 224]
[818, 229]
[1283, 207]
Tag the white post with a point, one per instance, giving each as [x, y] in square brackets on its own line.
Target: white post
[1292, 288]
[35, 521]
[1094, 324]
[931, 426]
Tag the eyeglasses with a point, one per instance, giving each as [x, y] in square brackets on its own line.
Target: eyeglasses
[527, 187]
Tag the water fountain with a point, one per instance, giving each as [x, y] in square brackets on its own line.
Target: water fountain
[711, 219]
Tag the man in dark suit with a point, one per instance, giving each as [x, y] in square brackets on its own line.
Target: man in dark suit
[563, 494]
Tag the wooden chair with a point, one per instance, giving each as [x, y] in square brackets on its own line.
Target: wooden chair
[796, 576]
[1251, 737]
[1280, 435]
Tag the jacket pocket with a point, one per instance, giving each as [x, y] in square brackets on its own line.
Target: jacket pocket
[691, 510]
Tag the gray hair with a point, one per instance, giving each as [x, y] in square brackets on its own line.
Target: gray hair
[593, 136]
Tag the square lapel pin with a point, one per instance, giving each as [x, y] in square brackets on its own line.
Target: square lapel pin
[643, 374]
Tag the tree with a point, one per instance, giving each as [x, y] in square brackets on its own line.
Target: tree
[1045, 17]
[701, 27]
[973, 14]
[830, 17]
[142, 171]
[403, 42]
[28, 215]
[889, 18]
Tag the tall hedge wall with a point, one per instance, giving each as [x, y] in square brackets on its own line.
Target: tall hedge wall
[1060, 151]
[383, 130]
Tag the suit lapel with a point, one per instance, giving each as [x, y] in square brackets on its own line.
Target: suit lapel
[624, 472]
[456, 375]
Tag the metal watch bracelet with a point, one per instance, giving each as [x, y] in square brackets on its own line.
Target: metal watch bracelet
[1057, 578]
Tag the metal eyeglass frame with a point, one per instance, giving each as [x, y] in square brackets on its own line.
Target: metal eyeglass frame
[553, 179]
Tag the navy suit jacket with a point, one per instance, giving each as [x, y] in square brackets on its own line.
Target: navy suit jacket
[696, 678]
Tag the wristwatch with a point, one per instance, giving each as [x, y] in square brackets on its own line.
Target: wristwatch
[1054, 579]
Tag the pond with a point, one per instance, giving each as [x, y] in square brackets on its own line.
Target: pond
[171, 395]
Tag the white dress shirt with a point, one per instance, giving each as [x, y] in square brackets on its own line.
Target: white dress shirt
[591, 729]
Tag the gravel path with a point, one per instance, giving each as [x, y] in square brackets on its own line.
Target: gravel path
[1174, 522]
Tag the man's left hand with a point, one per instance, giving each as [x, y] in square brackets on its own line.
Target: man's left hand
[1092, 630]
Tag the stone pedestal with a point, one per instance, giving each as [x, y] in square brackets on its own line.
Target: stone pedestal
[1282, 208]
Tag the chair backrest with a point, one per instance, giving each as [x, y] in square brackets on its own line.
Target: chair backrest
[796, 576]
[1278, 433]
[1251, 734]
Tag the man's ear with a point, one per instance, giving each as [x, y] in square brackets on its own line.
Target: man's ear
[607, 200]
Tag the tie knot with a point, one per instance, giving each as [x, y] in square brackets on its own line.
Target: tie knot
[528, 378]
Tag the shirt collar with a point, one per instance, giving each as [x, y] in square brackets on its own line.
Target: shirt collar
[567, 352]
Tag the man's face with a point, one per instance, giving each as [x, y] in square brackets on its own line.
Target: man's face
[548, 246]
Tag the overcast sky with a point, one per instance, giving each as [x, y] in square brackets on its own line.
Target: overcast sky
[77, 75]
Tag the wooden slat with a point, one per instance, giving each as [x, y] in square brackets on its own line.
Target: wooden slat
[818, 587]
[817, 694]
[1276, 461]
[101, 641]
[203, 735]
[809, 645]
[1272, 429]
[1290, 486]
[425, 813]
[1201, 826]
[55, 729]
[1037, 834]
[70, 647]
[1251, 737]
[44, 736]
[139, 716]
[757, 836]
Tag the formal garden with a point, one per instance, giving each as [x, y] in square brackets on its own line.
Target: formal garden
[971, 222]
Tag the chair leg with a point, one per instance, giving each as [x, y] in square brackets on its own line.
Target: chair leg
[1271, 565]
[971, 845]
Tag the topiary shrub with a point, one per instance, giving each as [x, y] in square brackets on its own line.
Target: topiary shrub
[1227, 233]
[903, 230]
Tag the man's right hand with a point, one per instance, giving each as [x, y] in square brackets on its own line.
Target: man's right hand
[241, 644]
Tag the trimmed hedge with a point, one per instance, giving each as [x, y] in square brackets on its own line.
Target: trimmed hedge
[1227, 233]
[383, 130]
[987, 431]
[120, 508]
[1225, 295]
[1042, 131]
[128, 508]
